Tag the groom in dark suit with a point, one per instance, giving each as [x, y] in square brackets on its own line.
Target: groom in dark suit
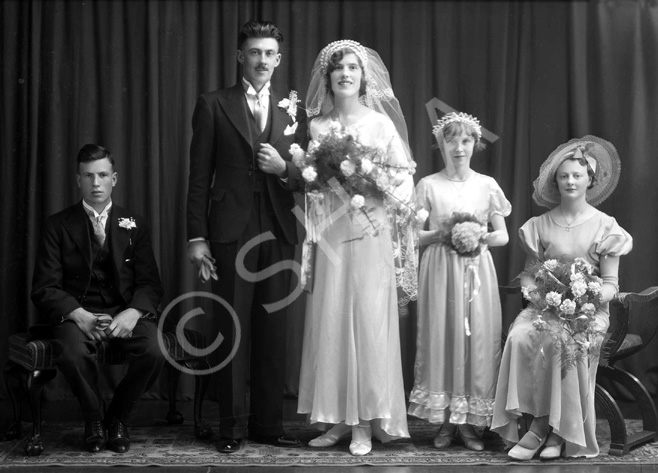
[95, 278]
[240, 187]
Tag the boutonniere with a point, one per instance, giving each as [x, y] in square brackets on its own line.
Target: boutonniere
[127, 223]
[289, 105]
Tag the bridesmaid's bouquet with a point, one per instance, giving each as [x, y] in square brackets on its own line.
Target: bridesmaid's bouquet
[566, 295]
[464, 233]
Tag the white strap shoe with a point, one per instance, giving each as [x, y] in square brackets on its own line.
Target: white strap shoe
[361, 440]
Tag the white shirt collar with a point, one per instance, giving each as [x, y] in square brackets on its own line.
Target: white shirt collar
[249, 89]
[103, 215]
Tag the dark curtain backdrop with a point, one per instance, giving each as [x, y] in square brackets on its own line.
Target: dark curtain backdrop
[125, 74]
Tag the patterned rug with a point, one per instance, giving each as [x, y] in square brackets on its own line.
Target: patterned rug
[159, 444]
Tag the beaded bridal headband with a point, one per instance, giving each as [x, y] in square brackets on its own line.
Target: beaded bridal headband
[461, 117]
[331, 48]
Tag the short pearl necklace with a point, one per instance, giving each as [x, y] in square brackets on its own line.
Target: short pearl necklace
[458, 184]
[575, 219]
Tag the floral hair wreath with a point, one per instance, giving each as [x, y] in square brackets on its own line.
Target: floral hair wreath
[461, 117]
[331, 48]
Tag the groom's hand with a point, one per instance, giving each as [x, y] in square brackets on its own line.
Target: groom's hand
[270, 161]
[199, 254]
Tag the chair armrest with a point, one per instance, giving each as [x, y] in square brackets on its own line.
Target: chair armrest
[619, 324]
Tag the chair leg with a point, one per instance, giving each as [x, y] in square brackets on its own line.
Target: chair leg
[15, 383]
[35, 384]
[201, 382]
[173, 416]
[618, 437]
[639, 392]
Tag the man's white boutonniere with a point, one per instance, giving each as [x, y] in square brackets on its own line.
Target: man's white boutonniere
[289, 105]
[127, 223]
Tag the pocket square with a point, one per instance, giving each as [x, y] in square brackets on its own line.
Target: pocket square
[290, 129]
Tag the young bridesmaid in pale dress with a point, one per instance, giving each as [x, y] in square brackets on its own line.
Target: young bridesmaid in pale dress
[459, 313]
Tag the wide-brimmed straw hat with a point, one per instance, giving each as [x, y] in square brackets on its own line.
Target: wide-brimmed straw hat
[602, 157]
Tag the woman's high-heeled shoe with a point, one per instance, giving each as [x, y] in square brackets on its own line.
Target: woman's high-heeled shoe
[445, 435]
[331, 437]
[522, 453]
[361, 440]
[553, 449]
[470, 438]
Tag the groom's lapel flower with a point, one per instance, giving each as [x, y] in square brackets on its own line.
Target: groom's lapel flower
[289, 105]
[127, 223]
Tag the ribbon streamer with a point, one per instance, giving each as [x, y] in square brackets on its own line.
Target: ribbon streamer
[472, 284]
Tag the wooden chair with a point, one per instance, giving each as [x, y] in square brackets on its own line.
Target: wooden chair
[619, 344]
[642, 309]
[31, 366]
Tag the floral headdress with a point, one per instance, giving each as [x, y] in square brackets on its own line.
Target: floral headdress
[331, 48]
[460, 117]
[379, 94]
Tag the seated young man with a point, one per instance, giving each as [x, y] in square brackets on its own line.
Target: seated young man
[96, 279]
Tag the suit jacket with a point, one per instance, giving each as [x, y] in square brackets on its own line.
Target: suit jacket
[63, 266]
[223, 163]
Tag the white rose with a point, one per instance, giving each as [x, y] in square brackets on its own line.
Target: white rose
[579, 288]
[309, 174]
[347, 167]
[553, 298]
[284, 103]
[568, 307]
[366, 166]
[588, 309]
[357, 202]
[298, 155]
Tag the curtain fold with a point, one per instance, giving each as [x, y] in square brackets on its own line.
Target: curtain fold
[126, 74]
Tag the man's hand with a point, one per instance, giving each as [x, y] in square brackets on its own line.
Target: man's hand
[87, 323]
[270, 161]
[199, 254]
[123, 324]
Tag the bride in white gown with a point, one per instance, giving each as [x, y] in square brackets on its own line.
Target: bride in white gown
[351, 375]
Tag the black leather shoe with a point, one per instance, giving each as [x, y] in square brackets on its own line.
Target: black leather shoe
[229, 445]
[283, 441]
[118, 438]
[95, 436]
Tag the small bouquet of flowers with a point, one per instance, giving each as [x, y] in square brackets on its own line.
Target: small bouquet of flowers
[464, 233]
[566, 296]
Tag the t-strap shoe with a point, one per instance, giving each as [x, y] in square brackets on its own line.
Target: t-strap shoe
[553, 448]
[518, 452]
[361, 440]
[470, 438]
[445, 435]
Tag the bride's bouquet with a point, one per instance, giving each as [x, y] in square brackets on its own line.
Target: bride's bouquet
[338, 162]
[565, 296]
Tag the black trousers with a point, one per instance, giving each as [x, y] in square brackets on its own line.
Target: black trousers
[251, 384]
[75, 356]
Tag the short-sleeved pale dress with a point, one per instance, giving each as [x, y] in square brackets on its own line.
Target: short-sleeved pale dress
[455, 374]
[530, 379]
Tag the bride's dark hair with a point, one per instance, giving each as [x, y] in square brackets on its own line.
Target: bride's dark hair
[332, 65]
